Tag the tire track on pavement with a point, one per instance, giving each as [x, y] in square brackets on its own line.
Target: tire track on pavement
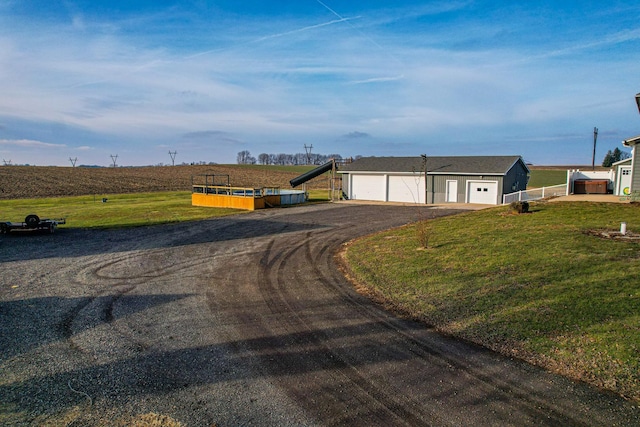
[381, 407]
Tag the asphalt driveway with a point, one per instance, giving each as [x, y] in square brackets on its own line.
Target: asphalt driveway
[246, 320]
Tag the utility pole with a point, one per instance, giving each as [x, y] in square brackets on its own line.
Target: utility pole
[308, 151]
[426, 182]
[73, 161]
[114, 158]
[173, 157]
[593, 158]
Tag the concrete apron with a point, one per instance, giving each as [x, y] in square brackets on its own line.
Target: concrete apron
[605, 198]
[465, 206]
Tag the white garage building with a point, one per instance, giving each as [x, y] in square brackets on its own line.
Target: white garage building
[457, 179]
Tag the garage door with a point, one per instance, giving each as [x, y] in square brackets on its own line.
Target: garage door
[485, 192]
[408, 189]
[368, 187]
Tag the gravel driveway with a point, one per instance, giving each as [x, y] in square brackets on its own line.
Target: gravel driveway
[246, 320]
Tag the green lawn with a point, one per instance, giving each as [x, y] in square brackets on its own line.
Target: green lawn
[120, 210]
[534, 286]
[546, 178]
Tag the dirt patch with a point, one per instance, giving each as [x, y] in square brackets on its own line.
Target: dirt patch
[614, 235]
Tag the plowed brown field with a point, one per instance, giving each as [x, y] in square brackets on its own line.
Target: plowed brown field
[17, 182]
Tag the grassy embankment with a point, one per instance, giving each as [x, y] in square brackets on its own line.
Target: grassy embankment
[534, 286]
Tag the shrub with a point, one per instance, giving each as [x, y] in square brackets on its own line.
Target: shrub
[519, 207]
[423, 233]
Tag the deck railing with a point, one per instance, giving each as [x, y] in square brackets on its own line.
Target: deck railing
[235, 191]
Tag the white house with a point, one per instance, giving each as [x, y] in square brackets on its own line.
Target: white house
[634, 173]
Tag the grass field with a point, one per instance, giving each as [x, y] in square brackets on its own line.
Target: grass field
[547, 177]
[120, 210]
[535, 286]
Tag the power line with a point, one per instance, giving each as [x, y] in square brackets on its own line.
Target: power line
[595, 138]
[114, 158]
[308, 151]
[173, 157]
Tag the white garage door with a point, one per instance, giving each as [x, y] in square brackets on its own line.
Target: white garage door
[408, 189]
[485, 192]
[368, 187]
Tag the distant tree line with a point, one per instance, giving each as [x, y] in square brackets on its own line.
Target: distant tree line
[614, 156]
[245, 158]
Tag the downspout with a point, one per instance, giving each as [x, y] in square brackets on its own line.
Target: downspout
[633, 168]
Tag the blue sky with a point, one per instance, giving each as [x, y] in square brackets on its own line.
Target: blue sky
[90, 79]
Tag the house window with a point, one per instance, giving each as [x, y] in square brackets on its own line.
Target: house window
[626, 172]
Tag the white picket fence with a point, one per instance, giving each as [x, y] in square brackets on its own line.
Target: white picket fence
[535, 194]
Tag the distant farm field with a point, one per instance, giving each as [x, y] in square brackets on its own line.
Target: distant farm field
[543, 177]
[26, 182]
[22, 182]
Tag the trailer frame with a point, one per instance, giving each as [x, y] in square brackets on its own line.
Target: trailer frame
[32, 222]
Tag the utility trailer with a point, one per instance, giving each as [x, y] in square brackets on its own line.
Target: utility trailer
[31, 223]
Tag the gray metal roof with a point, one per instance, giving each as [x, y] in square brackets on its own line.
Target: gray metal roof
[470, 165]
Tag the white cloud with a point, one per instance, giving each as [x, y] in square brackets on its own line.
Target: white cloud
[379, 80]
[27, 143]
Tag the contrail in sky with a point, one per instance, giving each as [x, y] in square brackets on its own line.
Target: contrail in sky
[366, 36]
[195, 55]
[273, 36]
[329, 9]
[379, 79]
[307, 28]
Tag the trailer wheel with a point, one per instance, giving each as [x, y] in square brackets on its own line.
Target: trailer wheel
[32, 221]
